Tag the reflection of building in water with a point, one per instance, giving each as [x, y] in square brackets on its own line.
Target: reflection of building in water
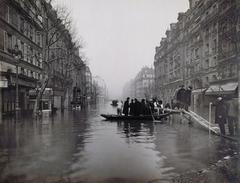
[200, 50]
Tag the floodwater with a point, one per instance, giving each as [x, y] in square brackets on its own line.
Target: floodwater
[80, 146]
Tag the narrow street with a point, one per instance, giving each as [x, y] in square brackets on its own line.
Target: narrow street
[80, 146]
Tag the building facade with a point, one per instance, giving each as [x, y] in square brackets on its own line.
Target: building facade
[142, 86]
[20, 48]
[200, 50]
[34, 42]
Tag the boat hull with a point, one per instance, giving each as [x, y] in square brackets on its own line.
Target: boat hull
[113, 117]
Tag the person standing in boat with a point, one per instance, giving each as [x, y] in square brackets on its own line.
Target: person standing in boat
[132, 108]
[143, 107]
[137, 107]
[126, 107]
[120, 108]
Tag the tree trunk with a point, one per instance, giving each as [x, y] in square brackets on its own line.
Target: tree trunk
[39, 95]
[63, 98]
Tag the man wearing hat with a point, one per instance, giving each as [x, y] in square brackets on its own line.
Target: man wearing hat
[126, 107]
[221, 114]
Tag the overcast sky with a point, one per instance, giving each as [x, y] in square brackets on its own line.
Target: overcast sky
[121, 35]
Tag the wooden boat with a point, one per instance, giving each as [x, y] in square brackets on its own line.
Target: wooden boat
[114, 117]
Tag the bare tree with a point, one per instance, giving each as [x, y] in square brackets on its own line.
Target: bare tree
[56, 26]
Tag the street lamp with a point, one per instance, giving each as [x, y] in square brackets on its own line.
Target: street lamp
[17, 54]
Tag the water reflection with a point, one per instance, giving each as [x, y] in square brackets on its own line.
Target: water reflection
[81, 146]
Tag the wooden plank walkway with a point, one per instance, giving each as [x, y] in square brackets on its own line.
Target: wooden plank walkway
[212, 127]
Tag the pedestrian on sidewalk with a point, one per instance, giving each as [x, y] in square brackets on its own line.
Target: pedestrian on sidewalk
[180, 96]
[232, 115]
[221, 114]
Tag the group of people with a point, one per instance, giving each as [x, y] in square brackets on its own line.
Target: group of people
[137, 108]
[226, 109]
[183, 97]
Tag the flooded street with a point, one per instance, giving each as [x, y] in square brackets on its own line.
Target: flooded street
[80, 146]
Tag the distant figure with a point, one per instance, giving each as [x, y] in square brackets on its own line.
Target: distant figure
[188, 96]
[232, 115]
[132, 108]
[120, 108]
[181, 96]
[126, 107]
[221, 114]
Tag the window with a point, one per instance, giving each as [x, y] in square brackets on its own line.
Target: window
[26, 29]
[207, 49]
[31, 55]
[22, 48]
[214, 47]
[31, 32]
[22, 71]
[9, 42]
[3, 11]
[1, 39]
[207, 64]
[25, 53]
[28, 53]
[13, 17]
[22, 24]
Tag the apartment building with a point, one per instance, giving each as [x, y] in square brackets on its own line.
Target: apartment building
[30, 32]
[205, 42]
[20, 48]
[142, 86]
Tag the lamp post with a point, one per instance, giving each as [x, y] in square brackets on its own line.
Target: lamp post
[17, 55]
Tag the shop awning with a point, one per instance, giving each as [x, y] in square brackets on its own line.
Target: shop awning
[3, 82]
[199, 91]
[222, 89]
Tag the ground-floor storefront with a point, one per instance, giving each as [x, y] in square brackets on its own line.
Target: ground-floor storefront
[8, 94]
[203, 99]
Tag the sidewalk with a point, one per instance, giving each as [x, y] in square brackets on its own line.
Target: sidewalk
[212, 127]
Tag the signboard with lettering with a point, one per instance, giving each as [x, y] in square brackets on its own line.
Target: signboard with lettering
[3, 83]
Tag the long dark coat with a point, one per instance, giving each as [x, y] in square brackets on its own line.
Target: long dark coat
[181, 95]
[126, 107]
[132, 108]
[220, 112]
[188, 94]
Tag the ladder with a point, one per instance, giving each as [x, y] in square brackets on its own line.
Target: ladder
[203, 122]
